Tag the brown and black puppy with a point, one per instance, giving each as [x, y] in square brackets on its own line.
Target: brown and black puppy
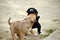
[36, 23]
[22, 27]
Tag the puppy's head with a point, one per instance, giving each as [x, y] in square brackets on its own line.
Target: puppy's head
[32, 10]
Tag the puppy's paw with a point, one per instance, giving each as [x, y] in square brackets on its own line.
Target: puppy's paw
[35, 34]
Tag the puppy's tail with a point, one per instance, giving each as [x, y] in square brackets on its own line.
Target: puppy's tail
[9, 21]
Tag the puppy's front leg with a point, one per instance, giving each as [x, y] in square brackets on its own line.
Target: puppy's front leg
[32, 31]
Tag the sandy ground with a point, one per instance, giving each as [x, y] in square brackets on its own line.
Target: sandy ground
[49, 11]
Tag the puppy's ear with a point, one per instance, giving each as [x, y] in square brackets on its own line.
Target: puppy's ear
[37, 17]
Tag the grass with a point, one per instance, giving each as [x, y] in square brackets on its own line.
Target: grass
[48, 33]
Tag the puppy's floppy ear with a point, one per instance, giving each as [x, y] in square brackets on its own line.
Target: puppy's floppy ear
[37, 17]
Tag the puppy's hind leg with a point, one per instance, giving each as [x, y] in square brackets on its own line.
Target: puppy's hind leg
[21, 36]
[13, 34]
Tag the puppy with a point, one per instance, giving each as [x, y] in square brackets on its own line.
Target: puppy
[21, 28]
[36, 23]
